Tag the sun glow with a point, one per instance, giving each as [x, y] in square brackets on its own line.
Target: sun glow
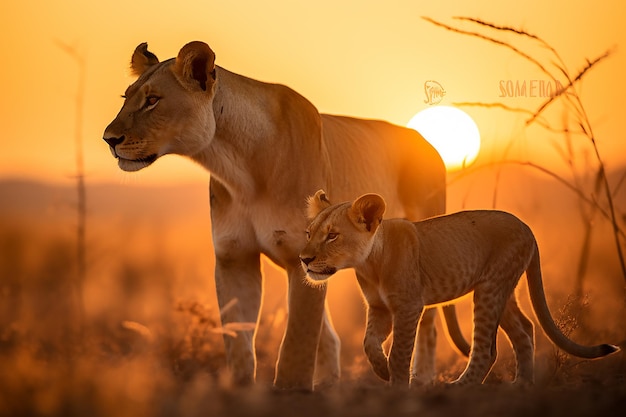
[451, 131]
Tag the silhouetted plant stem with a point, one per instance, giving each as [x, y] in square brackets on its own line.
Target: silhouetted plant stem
[81, 207]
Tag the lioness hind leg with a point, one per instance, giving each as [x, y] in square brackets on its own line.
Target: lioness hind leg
[423, 368]
[520, 332]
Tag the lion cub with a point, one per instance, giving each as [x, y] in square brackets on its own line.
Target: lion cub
[403, 266]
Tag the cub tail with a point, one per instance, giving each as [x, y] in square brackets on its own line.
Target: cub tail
[538, 299]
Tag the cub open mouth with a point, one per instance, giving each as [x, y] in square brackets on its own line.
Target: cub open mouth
[147, 160]
[135, 164]
[321, 275]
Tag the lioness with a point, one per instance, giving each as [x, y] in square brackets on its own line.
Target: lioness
[267, 148]
[413, 265]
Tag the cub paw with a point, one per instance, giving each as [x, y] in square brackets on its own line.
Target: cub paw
[381, 370]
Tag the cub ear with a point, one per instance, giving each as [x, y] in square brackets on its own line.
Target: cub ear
[316, 203]
[195, 65]
[368, 210]
[142, 59]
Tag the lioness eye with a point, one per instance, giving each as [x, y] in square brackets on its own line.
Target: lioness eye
[308, 235]
[151, 101]
[331, 236]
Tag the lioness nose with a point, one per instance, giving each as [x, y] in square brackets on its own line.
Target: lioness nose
[112, 141]
[307, 261]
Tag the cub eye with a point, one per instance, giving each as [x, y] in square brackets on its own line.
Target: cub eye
[331, 236]
[151, 101]
[308, 235]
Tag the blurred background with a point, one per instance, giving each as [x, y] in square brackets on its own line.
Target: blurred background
[140, 307]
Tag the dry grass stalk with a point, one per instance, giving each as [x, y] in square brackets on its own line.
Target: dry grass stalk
[81, 209]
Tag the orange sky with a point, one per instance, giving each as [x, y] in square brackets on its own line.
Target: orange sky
[358, 58]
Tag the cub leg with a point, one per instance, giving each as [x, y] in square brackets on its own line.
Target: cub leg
[405, 320]
[377, 331]
[519, 330]
[489, 304]
[239, 290]
[423, 369]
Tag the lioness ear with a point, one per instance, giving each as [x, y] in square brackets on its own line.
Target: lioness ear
[195, 64]
[316, 203]
[142, 59]
[368, 210]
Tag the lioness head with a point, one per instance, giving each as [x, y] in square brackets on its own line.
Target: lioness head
[167, 110]
[339, 236]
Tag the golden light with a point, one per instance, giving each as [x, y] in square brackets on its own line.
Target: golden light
[451, 131]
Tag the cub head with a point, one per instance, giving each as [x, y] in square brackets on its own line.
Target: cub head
[169, 109]
[339, 236]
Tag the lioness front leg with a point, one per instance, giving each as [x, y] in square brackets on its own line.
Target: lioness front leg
[327, 366]
[296, 362]
[377, 331]
[239, 290]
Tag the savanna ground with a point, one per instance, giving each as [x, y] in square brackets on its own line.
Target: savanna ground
[146, 339]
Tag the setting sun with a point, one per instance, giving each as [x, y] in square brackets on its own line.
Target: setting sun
[451, 131]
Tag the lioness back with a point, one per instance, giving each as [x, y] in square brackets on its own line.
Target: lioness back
[360, 148]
